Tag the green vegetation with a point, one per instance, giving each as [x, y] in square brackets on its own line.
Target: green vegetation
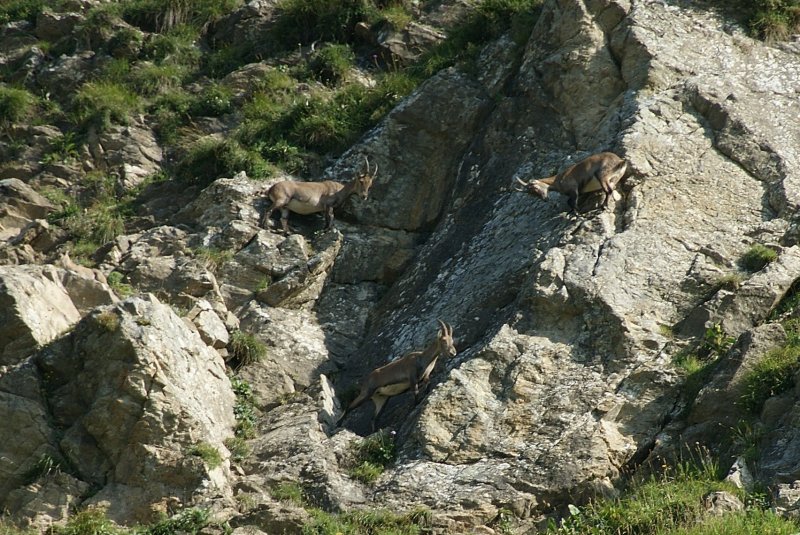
[213, 258]
[210, 455]
[15, 104]
[187, 521]
[715, 342]
[757, 257]
[12, 10]
[770, 376]
[47, 465]
[107, 320]
[331, 63]
[92, 521]
[102, 103]
[372, 456]
[246, 349]
[244, 410]
[122, 289]
[288, 491]
[670, 504]
[367, 523]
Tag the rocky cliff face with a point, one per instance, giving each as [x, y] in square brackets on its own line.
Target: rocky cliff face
[566, 325]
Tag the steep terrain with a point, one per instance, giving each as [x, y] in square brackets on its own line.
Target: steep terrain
[569, 328]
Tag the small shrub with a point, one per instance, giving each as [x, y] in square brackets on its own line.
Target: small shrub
[246, 349]
[772, 375]
[372, 456]
[238, 447]
[244, 410]
[715, 341]
[187, 521]
[46, 466]
[731, 281]
[211, 158]
[757, 257]
[210, 455]
[15, 104]
[63, 148]
[215, 100]
[288, 491]
[107, 320]
[13, 10]
[122, 289]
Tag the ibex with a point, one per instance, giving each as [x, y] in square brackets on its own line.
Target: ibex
[312, 197]
[408, 372]
[598, 172]
[87, 273]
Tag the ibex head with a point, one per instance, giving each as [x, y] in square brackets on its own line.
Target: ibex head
[535, 187]
[364, 180]
[445, 340]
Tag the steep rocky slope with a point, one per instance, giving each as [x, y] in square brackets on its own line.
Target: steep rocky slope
[566, 326]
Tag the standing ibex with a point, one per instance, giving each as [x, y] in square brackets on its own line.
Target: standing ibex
[311, 197]
[598, 172]
[407, 372]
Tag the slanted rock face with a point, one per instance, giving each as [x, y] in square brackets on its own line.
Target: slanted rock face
[35, 308]
[133, 390]
[19, 205]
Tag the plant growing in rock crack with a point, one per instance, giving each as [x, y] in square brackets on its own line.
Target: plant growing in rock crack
[245, 349]
[773, 374]
[372, 455]
[107, 320]
[186, 521]
[288, 491]
[715, 341]
[373, 522]
[212, 258]
[122, 289]
[46, 466]
[244, 410]
[757, 257]
[208, 453]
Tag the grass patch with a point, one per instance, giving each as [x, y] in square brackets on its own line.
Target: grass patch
[772, 375]
[91, 521]
[213, 258]
[15, 104]
[288, 491]
[212, 158]
[13, 10]
[749, 522]
[186, 521]
[103, 103]
[306, 21]
[122, 289]
[375, 522]
[331, 63]
[165, 15]
[371, 457]
[246, 349]
[239, 448]
[210, 455]
[757, 257]
[658, 504]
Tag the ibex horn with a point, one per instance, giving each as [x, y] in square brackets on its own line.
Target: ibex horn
[443, 325]
[375, 172]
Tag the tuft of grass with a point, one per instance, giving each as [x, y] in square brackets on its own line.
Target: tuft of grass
[731, 281]
[165, 15]
[331, 63]
[46, 466]
[102, 103]
[187, 521]
[288, 491]
[63, 148]
[306, 21]
[772, 375]
[91, 521]
[15, 104]
[246, 349]
[213, 258]
[374, 522]
[716, 342]
[13, 10]
[211, 158]
[238, 447]
[372, 455]
[749, 522]
[757, 257]
[210, 455]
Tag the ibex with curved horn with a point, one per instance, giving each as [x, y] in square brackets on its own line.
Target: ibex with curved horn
[311, 197]
[598, 172]
[408, 372]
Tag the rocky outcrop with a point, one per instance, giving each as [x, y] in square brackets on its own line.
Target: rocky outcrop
[121, 406]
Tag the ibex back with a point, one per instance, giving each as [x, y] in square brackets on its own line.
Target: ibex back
[598, 172]
[311, 197]
[408, 372]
